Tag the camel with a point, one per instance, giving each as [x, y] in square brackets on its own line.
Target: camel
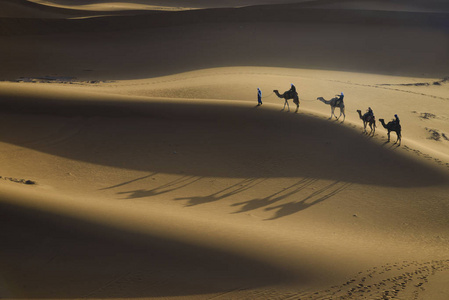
[368, 120]
[392, 126]
[333, 105]
[286, 96]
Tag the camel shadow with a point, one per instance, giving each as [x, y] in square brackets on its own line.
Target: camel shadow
[128, 182]
[391, 145]
[316, 197]
[338, 121]
[165, 188]
[367, 134]
[194, 129]
[273, 198]
[225, 193]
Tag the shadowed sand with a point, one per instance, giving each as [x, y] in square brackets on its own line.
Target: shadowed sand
[84, 259]
[208, 138]
[131, 47]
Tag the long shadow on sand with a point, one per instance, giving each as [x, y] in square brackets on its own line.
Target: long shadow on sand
[232, 190]
[44, 255]
[324, 193]
[205, 140]
[173, 185]
[293, 189]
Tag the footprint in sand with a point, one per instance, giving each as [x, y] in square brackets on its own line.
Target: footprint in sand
[405, 280]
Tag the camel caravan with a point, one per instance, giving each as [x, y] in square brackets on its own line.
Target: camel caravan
[337, 102]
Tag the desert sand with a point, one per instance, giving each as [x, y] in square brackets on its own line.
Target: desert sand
[135, 162]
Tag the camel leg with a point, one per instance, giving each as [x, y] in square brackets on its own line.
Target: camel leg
[342, 111]
[296, 101]
[339, 115]
[288, 106]
[332, 112]
[398, 141]
[388, 136]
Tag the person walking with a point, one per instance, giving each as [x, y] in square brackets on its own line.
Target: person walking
[259, 97]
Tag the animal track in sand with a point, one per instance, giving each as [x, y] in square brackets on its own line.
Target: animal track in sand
[391, 87]
[436, 135]
[427, 116]
[23, 181]
[423, 116]
[437, 83]
[400, 280]
[426, 156]
[403, 280]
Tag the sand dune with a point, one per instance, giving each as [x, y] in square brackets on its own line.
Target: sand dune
[210, 128]
[81, 258]
[28, 9]
[404, 5]
[224, 162]
[125, 46]
[136, 164]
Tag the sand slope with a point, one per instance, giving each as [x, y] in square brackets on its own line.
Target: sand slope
[210, 161]
[125, 46]
[156, 176]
